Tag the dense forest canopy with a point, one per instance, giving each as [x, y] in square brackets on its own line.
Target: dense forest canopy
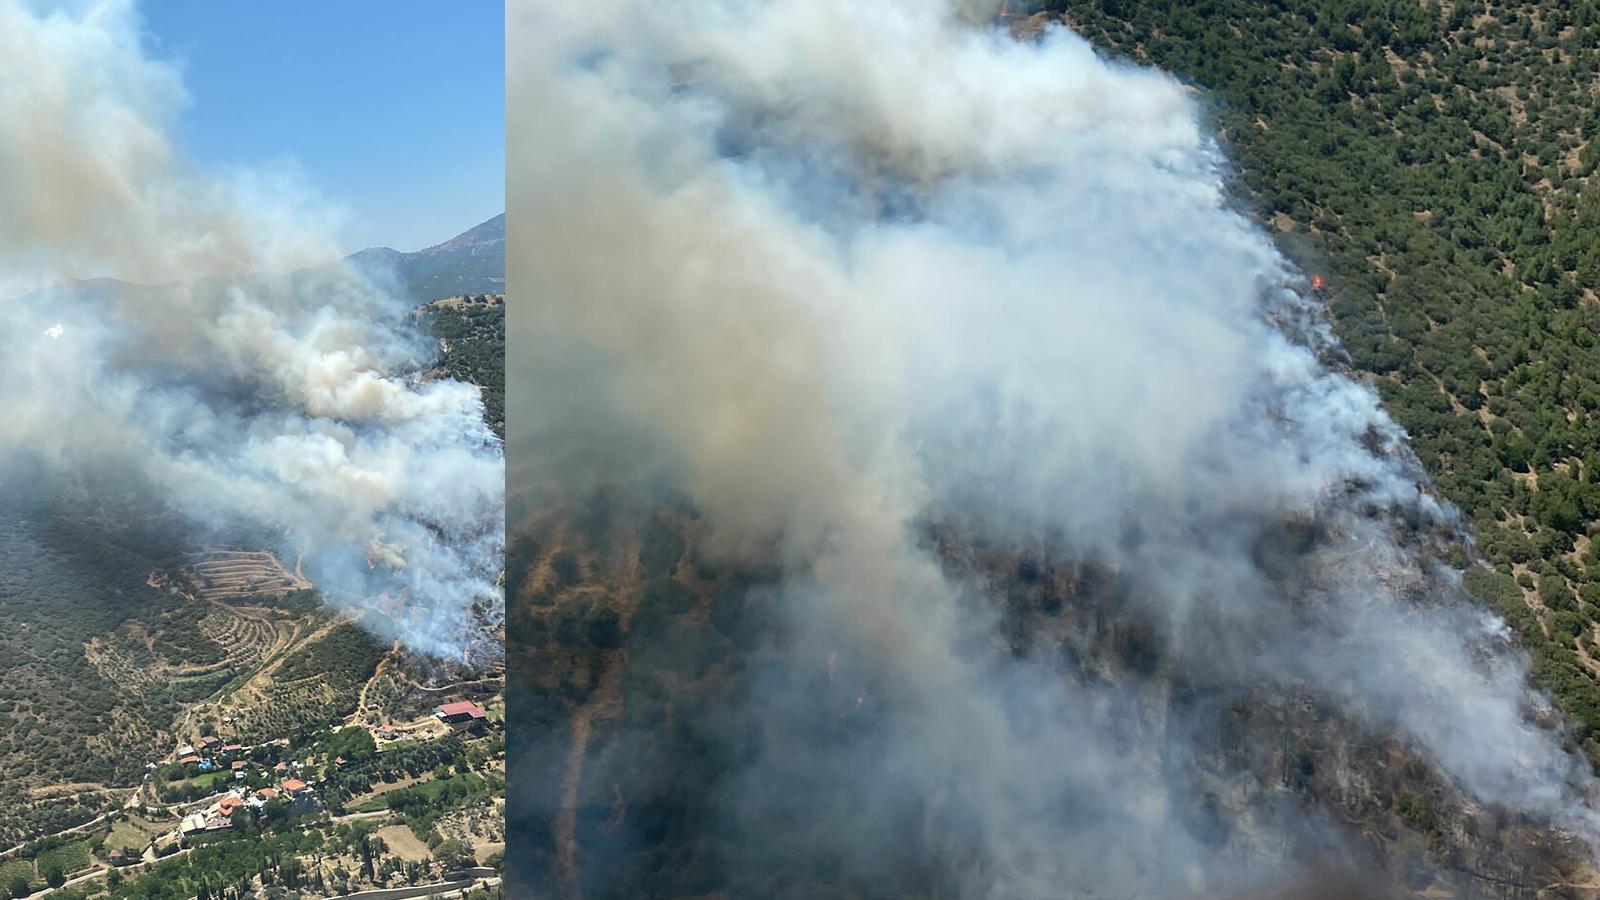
[473, 338]
[1435, 161]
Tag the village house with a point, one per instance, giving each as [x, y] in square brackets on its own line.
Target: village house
[460, 714]
[259, 798]
[201, 823]
[303, 800]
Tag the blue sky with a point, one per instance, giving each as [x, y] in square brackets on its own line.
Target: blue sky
[393, 110]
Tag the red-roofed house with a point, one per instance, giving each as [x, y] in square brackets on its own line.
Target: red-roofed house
[267, 793]
[463, 712]
[233, 748]
[302, 799]
[238, 765]
[188, 760]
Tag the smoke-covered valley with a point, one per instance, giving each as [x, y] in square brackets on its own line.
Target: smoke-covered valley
[1020, 533]
[199, 332]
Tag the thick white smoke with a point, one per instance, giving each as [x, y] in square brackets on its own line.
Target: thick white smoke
[851, 266]
[251, 377]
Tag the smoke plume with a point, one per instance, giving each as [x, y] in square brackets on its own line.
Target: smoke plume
[253, 379]
[846, 272]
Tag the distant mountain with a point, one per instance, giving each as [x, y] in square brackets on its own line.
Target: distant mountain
[473, 262]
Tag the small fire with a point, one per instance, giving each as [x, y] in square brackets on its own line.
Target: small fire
[1316, 282]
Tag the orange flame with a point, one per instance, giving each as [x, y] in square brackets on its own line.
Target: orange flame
[1316, 282]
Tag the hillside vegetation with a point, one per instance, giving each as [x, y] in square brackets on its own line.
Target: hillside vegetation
[108, 661]
[1436, 163]
[646, 678]
[472, 331]
[312, 686]
[76, 620]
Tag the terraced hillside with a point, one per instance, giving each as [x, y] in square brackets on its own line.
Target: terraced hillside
[117, 646]
[225, 574]
[247, 635]
[315, 682]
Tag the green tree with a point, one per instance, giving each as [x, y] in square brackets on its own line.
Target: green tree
[453, 854]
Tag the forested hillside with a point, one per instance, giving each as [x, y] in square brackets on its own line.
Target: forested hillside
[472, 333]
[1435, 163]
[1430, 162]
[76, 618]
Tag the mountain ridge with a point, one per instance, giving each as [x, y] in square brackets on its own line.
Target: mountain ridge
[472, 262]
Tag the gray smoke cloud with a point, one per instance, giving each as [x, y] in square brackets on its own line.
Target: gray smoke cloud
[845, 269]
[288, 403]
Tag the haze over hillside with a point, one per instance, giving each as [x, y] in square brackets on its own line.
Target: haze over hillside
[473, 262]
[988, 508]
[90, 617]
[251, 507]
[228, 374]
[1438, 163]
